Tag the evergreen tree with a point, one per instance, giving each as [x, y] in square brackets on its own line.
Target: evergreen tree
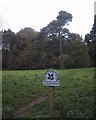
[90, 39]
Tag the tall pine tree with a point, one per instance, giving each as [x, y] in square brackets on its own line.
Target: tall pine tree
[90, 39]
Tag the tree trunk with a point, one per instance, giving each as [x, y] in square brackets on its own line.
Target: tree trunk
[61, 55]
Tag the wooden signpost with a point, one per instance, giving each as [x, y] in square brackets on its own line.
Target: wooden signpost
[51, 80]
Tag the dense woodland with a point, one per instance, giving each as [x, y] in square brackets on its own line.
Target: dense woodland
[53, 47]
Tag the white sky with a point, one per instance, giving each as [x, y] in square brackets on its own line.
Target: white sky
[17, 14]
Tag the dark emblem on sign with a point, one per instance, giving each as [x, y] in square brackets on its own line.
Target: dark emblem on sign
[50, 76]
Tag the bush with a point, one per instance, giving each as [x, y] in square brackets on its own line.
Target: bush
[68, 61]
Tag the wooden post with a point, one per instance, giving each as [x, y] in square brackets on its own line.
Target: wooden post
[52, 104]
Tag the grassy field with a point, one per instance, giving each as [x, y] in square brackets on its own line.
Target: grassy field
[74, 98]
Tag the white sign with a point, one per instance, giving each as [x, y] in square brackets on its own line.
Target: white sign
[51, 78]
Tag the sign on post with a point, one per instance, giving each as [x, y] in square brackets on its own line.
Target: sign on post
[51, 78]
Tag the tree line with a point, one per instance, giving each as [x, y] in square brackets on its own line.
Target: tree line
[53, 47]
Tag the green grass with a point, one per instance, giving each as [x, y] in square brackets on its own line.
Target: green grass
[74, 98]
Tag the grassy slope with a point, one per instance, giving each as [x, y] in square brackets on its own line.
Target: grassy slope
[74, 97]
[19, 88]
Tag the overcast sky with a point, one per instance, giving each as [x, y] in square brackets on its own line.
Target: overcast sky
[17, 14]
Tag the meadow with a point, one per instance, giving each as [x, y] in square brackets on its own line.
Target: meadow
[74, 98]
